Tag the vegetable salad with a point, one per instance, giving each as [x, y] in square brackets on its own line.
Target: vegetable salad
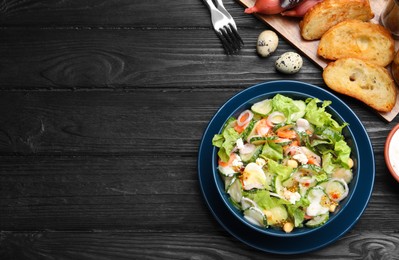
[285, 162]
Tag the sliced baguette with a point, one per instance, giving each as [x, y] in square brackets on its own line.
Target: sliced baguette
[395, 67]
[364, 81]
[358, 39]
[323, 15]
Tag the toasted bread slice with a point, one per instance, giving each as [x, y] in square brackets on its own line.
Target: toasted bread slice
[357, 39]
[395, 67]
[364, 81]
[323, 15]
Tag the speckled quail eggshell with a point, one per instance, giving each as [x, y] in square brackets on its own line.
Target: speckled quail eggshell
[267, 43]
[289, 63]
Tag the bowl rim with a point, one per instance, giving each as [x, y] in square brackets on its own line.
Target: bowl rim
[387, 146]
[303, 95]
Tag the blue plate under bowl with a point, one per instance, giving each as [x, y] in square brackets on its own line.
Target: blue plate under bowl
[301, 240]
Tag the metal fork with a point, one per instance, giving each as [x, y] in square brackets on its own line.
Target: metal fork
[225, 27]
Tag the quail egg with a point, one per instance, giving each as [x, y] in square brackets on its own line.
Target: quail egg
[289, 63]
[267, 43]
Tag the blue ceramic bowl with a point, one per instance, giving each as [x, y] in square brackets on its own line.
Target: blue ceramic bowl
[350, 208]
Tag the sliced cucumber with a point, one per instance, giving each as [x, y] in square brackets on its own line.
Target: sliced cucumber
[247, 203]
[302, 108]
[283, 141]
[336, 189]
[235, 191]
[263, 107]
[303, 190]
[318, 220]
[258, 140]
[255, 216]
[277, 216]
[249, 130]
[315, 194]
[269, 180]
[319, 202]
[278, 186]
[323, 184]
[228, 181]
[305, 181]
[251, 157]
[311, 169]
[290, 182]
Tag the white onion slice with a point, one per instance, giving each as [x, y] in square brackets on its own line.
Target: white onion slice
[276, 118]
[246, 113]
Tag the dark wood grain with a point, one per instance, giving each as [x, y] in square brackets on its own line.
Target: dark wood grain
[103, 13]
[164, 58]
[125, 245]
[102, 108]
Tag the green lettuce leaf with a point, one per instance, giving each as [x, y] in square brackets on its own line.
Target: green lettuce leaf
[318, 116]
[226, 142]
[272, 151]
[296, 211]
[284, 105]
[279, 169]
[263, 199]
[343, 152]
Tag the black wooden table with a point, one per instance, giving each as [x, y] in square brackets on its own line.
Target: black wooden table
[103, 106]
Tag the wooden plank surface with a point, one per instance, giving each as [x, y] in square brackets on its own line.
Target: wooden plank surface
[123, 245]
[102, 108]
[288, 28]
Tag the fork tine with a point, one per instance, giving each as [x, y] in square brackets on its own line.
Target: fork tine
[225, 42]
[224, 26]
[226, 45]
[231, 23]
[232, 38]
[237, 36]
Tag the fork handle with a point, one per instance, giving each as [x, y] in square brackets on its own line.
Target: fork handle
[210, 4]
[220, 6]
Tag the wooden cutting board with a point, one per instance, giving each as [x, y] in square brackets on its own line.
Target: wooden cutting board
[288, 28]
